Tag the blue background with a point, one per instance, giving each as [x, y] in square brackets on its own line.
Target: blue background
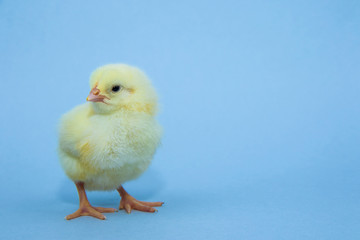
[260, 106]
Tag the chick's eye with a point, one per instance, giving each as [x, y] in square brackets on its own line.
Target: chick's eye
[115, 88]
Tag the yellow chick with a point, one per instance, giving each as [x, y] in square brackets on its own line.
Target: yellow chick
[111, 139]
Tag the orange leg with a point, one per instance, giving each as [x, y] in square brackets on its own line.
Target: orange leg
[85, 209]
[128, 203]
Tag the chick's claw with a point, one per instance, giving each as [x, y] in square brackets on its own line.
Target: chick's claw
[128, 203]
[86, 211]
[85, 208]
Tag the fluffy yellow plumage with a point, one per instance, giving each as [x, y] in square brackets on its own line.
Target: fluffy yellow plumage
[111, 139]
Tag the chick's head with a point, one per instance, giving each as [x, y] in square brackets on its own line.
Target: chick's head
[120, 86]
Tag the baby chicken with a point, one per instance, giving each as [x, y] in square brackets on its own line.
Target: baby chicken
[111, 139]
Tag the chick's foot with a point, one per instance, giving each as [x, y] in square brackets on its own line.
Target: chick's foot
[128, 203]
[85, 209]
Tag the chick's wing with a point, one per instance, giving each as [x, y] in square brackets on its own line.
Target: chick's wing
[73, 128]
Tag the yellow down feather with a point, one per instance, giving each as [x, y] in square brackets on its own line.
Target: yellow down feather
[106, 144]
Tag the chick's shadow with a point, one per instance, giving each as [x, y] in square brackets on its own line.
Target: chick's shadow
[142, 188]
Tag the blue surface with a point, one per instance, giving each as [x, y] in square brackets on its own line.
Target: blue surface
[260, 106]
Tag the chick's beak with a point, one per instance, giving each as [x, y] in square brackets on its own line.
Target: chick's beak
[95, 96]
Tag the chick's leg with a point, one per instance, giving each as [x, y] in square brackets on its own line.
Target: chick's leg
[85, 209]
[128, 203]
